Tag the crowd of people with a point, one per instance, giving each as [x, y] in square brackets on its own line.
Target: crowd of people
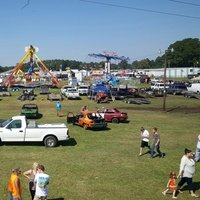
[187, 164]
[38, 183]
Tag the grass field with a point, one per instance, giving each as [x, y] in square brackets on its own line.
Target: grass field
[103, 165]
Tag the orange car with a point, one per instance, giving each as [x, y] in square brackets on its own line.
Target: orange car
[89, 120]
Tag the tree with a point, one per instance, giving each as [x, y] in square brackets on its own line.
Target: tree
[186, 53]
[143, 64]
[123, 64]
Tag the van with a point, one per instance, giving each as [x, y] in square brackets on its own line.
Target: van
[194, 87]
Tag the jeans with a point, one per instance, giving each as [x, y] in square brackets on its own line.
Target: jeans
[157, 147]
[10, 196]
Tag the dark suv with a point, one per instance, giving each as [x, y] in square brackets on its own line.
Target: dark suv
[177, 89]
[30, 110]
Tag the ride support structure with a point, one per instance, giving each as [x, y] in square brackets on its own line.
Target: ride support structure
[30, 53]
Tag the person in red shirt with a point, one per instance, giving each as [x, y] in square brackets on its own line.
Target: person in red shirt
[171, 185]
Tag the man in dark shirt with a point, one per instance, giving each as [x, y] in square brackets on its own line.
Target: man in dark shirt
[156, 143]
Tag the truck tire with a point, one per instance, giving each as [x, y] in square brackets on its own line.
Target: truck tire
[50, 141]
[115, 120]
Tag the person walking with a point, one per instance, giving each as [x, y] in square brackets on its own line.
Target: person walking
[171, 185]
[84, 110]
[30, 174]
[41, 181]
[156, 143]
[58, 108]
[186, 172]
[14, 185]
[197, 153]
[144, 139]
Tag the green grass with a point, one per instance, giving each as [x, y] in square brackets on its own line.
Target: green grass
[103, 165]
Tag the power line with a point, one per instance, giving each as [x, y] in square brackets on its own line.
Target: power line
[184, 2]
[27, 3]
[140, 9]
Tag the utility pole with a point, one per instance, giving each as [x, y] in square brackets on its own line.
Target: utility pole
[164, 79]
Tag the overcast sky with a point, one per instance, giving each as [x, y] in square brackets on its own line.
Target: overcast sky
[72, 29]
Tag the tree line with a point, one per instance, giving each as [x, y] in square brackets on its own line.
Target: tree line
[186, 53]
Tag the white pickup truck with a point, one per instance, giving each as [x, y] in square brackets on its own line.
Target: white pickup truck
[18, 129]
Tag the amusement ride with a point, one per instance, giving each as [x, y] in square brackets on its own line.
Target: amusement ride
[32, 74]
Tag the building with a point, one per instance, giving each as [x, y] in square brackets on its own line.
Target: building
[180, 72]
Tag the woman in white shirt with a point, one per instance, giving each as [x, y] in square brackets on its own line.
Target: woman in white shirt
[186, 172]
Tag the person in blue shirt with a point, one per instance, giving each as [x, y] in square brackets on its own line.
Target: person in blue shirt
[58, 108]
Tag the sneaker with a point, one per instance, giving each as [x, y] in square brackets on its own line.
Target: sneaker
[180, 191]
[194, 195]
[174, 197]
[140, 154]
[164, 193]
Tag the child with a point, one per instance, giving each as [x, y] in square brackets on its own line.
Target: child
[58, 108]
[171, 185]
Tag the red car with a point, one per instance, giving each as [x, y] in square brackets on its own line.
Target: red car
[113, 115]
[101, 97]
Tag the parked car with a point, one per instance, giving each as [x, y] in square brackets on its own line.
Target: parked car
[54, 97]
[4, 91]
[30, 110]
[83, 90]
[28, 94]
[122, 93]
[113, 115]
[158, 86]
[101, 97]
[72, 93]
[194, 87]
[90, 120]
[64, 88]
[44, 89]
[177, 89]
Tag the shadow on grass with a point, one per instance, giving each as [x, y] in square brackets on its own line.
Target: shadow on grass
[22, 144]
[125, 122]
[158, 156]
[99, 129]
[196, 186]
[70, 142]
[39, 116]
[57, 199]
[91, 129]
